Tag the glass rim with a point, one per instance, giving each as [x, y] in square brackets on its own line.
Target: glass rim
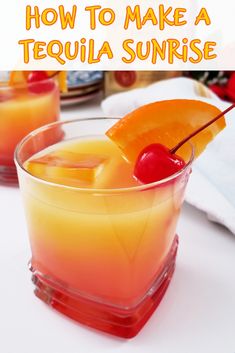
[4, 85]
[93, 190]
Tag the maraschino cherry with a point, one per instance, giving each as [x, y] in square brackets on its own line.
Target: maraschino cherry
[156, 162]
[38, 82]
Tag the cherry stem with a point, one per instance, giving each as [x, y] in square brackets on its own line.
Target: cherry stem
[181, 143]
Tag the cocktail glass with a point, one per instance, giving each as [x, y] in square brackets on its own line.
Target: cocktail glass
[23, 108]
[103, 257]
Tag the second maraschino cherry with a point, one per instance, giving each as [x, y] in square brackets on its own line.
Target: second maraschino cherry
[39, 83]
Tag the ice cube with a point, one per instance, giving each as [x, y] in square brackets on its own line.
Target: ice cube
[69, 168]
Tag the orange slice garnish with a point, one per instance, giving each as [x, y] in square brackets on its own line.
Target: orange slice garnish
[62, 79]
[165, 122]
[18, 77]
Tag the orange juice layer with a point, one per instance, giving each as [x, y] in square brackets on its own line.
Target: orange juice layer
[108, 245]
[21, 112]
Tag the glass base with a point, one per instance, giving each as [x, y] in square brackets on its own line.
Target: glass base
[8, 175]
[124, 323]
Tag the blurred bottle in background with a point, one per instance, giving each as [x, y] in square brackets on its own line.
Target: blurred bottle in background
[119, 81]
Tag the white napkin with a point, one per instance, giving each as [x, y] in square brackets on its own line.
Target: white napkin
[212, 183]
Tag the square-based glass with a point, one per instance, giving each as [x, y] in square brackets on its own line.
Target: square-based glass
[103, 257]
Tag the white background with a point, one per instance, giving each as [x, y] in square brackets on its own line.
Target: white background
[12, 29]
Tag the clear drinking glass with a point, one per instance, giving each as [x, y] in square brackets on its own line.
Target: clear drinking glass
[23, 108]
[103, 257]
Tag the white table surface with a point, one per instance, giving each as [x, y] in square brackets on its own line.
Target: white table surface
[197, 314]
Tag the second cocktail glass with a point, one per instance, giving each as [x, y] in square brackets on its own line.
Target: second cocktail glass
[23, 108]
